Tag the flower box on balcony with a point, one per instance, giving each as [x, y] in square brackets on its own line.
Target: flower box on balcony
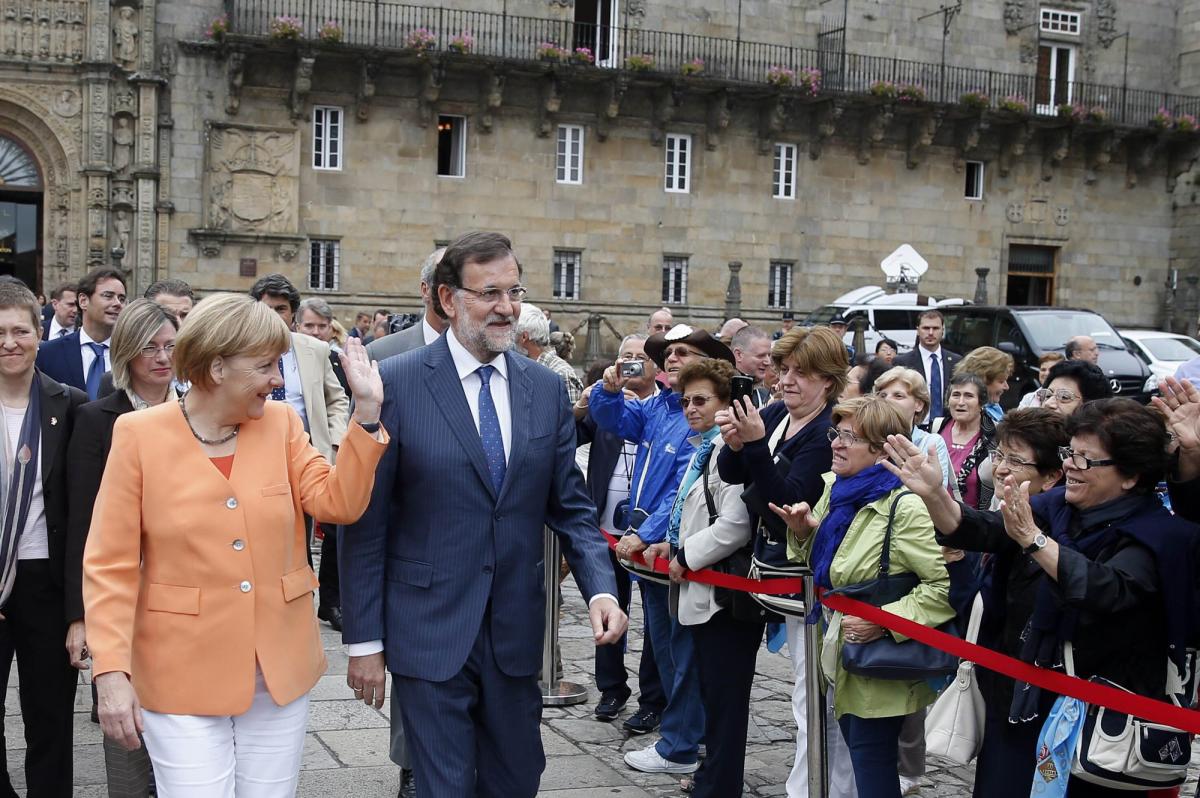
[910, 94]
[551, 52]
[217, 29]
[781, 76]
[643, 62]
[692, 67]
[286, 28]
[463, 43]
[422, 40]
[884, 90]
[583, 55]
[974, 101]
[1014, 104]
[331, 33]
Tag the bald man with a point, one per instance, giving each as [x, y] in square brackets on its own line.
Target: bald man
[1082, 347]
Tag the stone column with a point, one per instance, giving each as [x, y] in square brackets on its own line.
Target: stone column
[593, 338]
[981, 285]
[733, 292]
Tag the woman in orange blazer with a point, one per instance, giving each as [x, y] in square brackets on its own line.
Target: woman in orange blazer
[197, 588]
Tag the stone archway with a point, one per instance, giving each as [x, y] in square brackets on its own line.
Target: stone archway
[52, 136]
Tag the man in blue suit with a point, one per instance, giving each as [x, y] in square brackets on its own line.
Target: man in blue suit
[442, 578]
[81, 359]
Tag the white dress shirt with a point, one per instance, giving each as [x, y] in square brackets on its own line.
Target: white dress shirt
[467, 366]
[89, 356]
[32, 544]
[292, 387]
[927, 365]
[57, 330]
[428, 333]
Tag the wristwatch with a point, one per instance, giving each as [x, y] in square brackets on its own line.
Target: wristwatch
[1039, 543]
[372, 427]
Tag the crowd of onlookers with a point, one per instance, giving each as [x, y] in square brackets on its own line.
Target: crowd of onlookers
[1066, 522]
[1049, 516]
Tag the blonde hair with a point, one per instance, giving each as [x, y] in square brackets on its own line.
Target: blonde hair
[874, 417]
[138, 323]
[227, 325]
[817, 352]
[912, 379]
[339, 332]
[986, 362]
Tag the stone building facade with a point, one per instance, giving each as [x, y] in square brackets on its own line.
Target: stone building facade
[219, 158]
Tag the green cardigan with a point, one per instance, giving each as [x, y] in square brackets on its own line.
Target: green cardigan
[857, 560]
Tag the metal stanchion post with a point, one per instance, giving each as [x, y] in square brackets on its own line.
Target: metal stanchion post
[555, 692]
[818, 775]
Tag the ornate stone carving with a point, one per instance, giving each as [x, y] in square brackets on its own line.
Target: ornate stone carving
[367, 72]
[166, 60]
[635, 13]
[610, 106]
[1106, 22]
[874, 125]
[234, 77]
[921, 130]
[48, 31]
[717, 119]
[824, 125]
[1098, 150]
[124, 101]
[125, 38]
[561, 3]
[430, 91]
[966, 138]
[122, 194]
[301, 84]
[666, 102]
[67, 103]
[287, 250]
[1056, 146]
[121, 227]
[1015, 212]
[491, 98]
[1140, 152]
[772, 117]
[550, 102]
[1013, 141]
[122, 136]
[1062, 215]
[1014, 16]
[252, 179]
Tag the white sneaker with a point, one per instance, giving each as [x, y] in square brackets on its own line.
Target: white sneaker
[909, 786]
[648, 760]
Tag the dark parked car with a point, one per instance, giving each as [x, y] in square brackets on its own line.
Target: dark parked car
[1027, 333]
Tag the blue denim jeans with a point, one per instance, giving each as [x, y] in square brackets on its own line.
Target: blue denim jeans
[874, 745]
[683, 720]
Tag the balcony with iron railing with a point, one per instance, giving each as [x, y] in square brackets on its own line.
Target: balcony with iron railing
[385, 27]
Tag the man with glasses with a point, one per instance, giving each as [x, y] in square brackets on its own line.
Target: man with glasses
[609, 478]
[81, 358]
[442, 577]
[659, 428]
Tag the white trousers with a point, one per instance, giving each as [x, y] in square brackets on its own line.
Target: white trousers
[253, 755]
[841, 774]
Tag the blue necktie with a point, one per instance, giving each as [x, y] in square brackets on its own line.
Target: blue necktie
[489, 429]
[935, 388]
[97, 369]
[280, 393]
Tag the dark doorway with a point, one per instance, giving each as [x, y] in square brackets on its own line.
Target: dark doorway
[20, 214]
[595, 29]
[1031, 272]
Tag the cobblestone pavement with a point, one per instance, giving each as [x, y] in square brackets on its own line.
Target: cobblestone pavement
[346, 750]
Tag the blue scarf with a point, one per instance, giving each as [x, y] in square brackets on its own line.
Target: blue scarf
[20, 475]
[847, 496]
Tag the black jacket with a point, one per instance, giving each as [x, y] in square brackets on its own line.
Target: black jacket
[810, 456]
[602, 461]
[88, 452]
[60, 404]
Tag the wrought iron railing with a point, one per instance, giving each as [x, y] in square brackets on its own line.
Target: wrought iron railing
[383, 25]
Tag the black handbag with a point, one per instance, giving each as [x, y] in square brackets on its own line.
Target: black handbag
[885, 658]
[740, 605]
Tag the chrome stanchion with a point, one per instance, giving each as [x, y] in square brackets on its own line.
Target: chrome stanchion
[818, 776]
[555, 692]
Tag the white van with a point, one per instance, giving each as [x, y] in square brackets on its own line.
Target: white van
[892, 316]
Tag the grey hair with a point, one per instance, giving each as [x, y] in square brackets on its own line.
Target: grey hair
[318, 306]
[430, 264]
[534, 323]
[742, 338]
[633, 337]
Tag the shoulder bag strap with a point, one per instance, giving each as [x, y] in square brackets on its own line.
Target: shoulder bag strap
[885, 556]
[641, 482]
[976, 618]
[708, 497]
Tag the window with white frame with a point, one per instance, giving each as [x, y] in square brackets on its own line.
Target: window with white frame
[566, 273]
[779, 285]
[783, 176]
[973, 190]
[674, 279]
[1054, 20]
[570, 154]
[1055, 81]
[324, 264]
[452, 146]
[327, 137]
[678, 176]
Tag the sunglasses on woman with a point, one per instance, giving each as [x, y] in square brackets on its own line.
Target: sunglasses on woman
[699, 400]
